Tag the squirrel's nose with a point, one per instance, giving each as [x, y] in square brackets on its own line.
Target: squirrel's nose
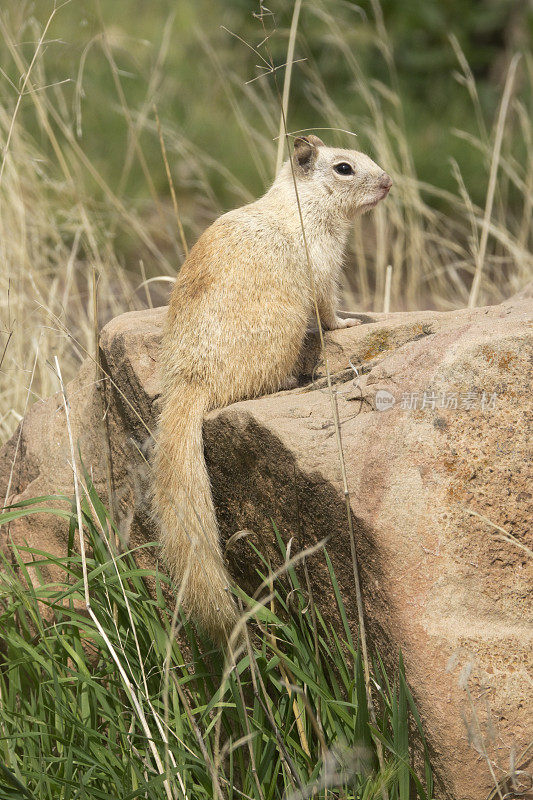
[385, 181]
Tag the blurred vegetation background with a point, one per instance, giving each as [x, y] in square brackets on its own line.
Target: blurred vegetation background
[182, 56]
[84, 189]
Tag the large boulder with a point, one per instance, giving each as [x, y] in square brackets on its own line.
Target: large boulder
[435, 418]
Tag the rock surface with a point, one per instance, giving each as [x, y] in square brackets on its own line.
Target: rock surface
[446, 456]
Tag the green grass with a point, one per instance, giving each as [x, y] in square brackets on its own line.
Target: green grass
[112, 704]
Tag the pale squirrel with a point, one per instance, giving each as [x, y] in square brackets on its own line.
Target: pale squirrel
[236, 321]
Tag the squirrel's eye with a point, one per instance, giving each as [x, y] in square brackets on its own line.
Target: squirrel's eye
[343, 168]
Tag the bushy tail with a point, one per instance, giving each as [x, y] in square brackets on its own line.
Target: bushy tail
[184, 506]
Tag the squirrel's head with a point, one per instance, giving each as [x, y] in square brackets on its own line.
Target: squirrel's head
[346, 179]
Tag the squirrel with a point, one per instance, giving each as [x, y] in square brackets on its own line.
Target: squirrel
[236, 321]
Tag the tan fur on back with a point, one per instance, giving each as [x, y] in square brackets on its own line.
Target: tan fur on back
[235, 325]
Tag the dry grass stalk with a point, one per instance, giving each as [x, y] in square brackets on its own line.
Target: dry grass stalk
[500, 126]
[335, 415]
[171, 184]
[386, 296]
[287, 83]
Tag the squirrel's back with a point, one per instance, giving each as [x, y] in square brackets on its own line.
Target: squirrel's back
[239, 309]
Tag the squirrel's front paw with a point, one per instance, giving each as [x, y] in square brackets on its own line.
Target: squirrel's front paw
[349, 322]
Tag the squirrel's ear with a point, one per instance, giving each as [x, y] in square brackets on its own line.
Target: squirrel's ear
[305, 152]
